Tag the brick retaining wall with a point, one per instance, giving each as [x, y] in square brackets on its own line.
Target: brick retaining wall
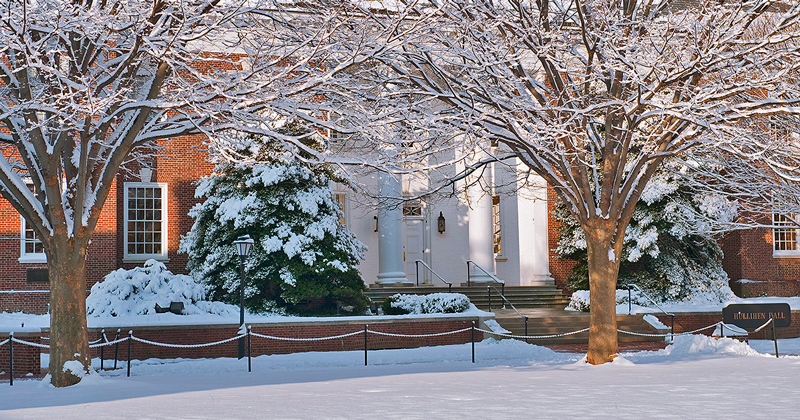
[26, 358]
[690, 321]
[201, 334]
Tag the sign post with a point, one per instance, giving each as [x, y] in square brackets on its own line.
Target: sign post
[756, 315]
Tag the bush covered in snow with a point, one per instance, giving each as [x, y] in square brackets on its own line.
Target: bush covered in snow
[579, 300]
[668, 251]
[434, 303]
[137, 291]
[304, 259]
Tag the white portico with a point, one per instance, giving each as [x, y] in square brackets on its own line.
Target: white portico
[503, 233]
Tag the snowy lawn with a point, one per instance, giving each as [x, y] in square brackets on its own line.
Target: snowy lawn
[697, 377]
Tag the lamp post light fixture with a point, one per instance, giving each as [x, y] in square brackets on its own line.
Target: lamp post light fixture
[440, 223]
[243, 245]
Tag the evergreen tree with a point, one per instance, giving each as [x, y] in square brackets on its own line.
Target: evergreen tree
[303, 260]
[668, 251]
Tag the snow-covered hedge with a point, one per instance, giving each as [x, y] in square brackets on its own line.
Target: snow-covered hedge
[433, 303]
[137, 291]
[579, 301]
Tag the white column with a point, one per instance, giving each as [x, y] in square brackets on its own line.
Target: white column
[390, 241]
[540, 248]
[481, 231]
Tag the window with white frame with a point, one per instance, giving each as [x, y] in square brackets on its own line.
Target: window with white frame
[497, 226]
[145, 221]
[412, 209]
[31, 247]
[784, 236]
[335, 135]
[341, 199]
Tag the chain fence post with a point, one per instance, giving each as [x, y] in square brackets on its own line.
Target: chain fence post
[116, 349]
[526, 328]
[774, 340]
[102, 348]
[130, 342]
[472, 339]
[672, 329]
[468, 274]
[365, 344]
[11, 357]
[249, 350]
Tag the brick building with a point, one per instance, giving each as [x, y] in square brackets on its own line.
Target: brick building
[509, 236]
[157, 208]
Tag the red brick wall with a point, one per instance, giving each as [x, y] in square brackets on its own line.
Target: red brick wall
[182, 162]
[748, 255]
[101, 259]
[26, 358]
[205, 334]
[559, 268]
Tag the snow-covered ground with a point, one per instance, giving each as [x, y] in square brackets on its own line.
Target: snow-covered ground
[21, 322]
[697, 377]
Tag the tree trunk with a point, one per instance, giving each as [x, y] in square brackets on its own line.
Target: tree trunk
[603, 270]
[68, 336]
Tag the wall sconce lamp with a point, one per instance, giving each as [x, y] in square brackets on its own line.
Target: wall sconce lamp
[440, 223]
[376, 222]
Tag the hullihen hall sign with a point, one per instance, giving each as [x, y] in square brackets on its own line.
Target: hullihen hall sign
[755, 315]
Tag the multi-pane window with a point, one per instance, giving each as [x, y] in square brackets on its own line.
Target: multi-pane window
[335, 135]
[341, 199]
[145, 220]
[32, 244]
[412, 209]
[31, 247]
[497, 226]
[784, 239]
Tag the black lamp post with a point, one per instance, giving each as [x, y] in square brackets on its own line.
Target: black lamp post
[243, 245]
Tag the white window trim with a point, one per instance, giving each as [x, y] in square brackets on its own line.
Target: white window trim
[331, 134]
[163, 256]
[498, 256]
[345, 206]
[24, 257]
[785, 253]
[415, 202]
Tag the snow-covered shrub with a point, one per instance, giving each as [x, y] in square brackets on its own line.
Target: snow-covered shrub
[579, 301]
[302, 253]
[137, 291]
[433, 303]
[668, 250]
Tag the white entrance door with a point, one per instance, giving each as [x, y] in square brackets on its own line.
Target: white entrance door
[414, 247]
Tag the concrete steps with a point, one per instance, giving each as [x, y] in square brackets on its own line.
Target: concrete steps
[544, 306]
[560, 322]
[519, 296]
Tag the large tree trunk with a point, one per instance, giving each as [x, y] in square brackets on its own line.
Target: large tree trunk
[68, 336]
[603, 271]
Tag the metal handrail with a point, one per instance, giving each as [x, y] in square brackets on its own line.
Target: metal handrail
[418, 262]
[671, 315]
[525, 317]
[492, 276]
